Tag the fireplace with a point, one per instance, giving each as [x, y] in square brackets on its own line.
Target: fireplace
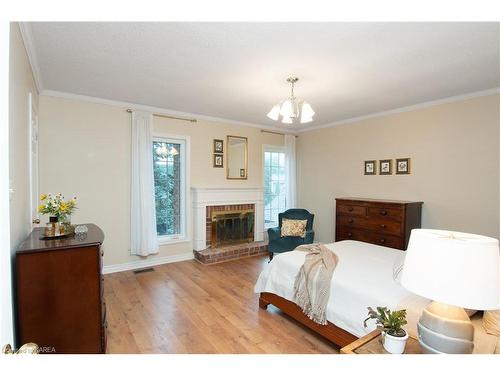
[207, 202]
[230, 224]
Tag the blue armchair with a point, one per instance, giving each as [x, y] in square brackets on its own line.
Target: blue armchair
[278, 244]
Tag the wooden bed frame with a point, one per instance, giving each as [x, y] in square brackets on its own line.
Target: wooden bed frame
[329, 331]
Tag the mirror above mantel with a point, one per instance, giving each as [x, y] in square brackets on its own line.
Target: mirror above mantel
[237, 158]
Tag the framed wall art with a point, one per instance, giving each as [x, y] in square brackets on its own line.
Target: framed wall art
[385, 167]
[370, 167]
[218, 146]
[218, 161]
[403, 166]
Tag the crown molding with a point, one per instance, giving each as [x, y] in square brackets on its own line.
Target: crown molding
[27, 36]
[410, 108]
[159, 110]
[304, 129]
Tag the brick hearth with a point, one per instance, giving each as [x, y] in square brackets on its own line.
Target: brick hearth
[230, 252]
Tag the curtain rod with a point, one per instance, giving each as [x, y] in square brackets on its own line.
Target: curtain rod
[270, 132]
[170, 117]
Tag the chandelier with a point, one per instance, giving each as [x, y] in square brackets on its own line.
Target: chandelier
[292, 108]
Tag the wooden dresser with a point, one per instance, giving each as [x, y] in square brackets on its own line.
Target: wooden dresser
[381, 222]
[59, 288]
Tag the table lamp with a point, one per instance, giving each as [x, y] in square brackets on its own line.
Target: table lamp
[456, 271]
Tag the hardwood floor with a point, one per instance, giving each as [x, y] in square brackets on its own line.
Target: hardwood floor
[187, 307]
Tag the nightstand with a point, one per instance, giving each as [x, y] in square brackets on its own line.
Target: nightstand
[371, 344]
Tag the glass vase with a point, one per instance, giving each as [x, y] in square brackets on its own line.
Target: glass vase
[65, 225]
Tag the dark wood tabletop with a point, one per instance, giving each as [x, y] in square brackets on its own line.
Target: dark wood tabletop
[35, 242]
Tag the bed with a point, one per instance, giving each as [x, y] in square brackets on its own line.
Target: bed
[364, 277]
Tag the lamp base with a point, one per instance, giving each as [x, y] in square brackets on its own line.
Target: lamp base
[445, 329]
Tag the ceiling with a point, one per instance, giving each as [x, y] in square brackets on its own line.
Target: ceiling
[237, 71]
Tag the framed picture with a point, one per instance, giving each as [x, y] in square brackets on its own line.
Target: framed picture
[218, 161]
[370, 166]
[218, 146]
[385, 166]
[403, 166]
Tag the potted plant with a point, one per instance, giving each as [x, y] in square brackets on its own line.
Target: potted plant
[59, 211]
[394, 337]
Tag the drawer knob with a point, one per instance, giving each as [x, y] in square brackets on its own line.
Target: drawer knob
[349, 234]
[383, 212]
[350, 221]
[350, 209]
[382, 226]
[382, 240]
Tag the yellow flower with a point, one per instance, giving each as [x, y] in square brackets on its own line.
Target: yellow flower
[63, 206]
[41, 207]
[43, 197]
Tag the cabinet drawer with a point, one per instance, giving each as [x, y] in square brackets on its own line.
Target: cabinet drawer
[379, 225]
[346, 233]
[391, 213]
[351, 209]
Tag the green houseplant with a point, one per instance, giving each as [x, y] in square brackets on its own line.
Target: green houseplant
[391, 324]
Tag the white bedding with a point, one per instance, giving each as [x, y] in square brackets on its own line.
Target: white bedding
[363, 277]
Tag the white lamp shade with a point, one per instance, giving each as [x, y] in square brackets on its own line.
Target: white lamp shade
[307, 110]
[458, 269]
[286, 109]
[274, 113]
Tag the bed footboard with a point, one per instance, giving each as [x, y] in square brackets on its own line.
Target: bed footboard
[329, 331]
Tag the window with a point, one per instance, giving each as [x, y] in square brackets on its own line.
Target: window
[274, 186]
[169, 168]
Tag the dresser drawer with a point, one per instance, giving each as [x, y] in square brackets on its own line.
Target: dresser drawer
[381, 225]
[346, 233]
[351, 209]
[391, 213]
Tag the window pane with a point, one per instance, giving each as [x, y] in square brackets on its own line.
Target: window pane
[274, 158]
[167, 178]
[267, 158]
[274, 192]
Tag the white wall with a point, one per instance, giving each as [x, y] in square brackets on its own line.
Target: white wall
[454, 151]
[21, 83]
[85, 150]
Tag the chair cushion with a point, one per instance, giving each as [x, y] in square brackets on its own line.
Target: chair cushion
[293, 228]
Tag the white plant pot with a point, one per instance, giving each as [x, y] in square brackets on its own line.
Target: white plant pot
[393, 344]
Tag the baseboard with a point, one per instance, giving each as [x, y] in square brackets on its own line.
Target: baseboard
[146, 263]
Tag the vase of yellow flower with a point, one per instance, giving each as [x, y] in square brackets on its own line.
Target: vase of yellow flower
[59, 211]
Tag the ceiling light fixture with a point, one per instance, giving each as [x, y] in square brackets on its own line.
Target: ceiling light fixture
[292, 108]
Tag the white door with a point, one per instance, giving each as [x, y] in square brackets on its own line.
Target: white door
[33, 119]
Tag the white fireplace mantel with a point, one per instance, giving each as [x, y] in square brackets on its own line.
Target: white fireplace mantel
[201, 198]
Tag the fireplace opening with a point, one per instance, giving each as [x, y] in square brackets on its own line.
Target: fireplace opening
[230, 225]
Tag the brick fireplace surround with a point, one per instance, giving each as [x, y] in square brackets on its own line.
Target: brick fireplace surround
[208, 201]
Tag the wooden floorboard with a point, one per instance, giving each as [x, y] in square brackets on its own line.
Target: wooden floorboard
[187, 307]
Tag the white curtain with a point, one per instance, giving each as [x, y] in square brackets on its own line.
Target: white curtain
[290, 172]
[143, 239]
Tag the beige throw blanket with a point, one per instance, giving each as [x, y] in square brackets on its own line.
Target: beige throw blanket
[312, 283]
